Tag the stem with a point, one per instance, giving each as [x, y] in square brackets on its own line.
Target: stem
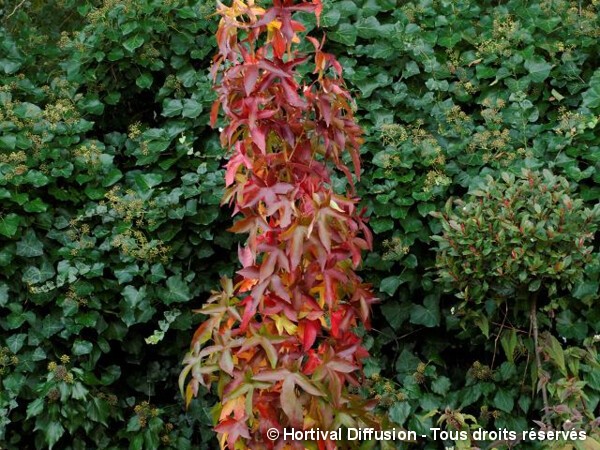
[538, 359]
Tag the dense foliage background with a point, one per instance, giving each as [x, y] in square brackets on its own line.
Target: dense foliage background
[111, 230]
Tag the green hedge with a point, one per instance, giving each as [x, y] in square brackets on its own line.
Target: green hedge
[111, 230]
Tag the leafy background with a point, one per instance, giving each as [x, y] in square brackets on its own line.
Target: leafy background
[111, 230]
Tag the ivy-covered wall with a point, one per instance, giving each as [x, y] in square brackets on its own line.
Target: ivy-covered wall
[111, 231]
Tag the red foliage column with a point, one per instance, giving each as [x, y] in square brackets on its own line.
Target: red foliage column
[279, 341]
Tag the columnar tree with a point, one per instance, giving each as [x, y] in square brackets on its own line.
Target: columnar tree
[280, 341]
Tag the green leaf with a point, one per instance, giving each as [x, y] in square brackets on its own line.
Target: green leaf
[145, 80]
[133, 42]
[133, 296]
[15, 342]
[591, 97]
[3, 294]
[9, 66]
[396, 313]
[191, 108]
[147, 181]
[82, 347]
[54, 431]
[504, 401]
[524, 403]
[35, 408]
[428, 314]
[30, 246]
[585, 290]
[380, 225]
[509, 344]
[538, 69]
[569, 327]
[346, 8]
[330, 17]
[507, 371]
[368, 27]
[9, 224]
[345, 34]
[35, 206]
[8, 142]
[178, 290]
[535, 285]
[172, 107]
[389, 285]
[115, 54]
[27, 111]
[411, 68]
[441, 386]
[112, 177]
[126, 274]
[556, 353]
[92, 105]
[399, 412]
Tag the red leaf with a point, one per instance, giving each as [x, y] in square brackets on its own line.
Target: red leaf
[214, 112]
[311, 328]
[279, 44]
[268, 266]
[233, 429]
[336, 319]
[245, 256]
[250, 77]
[204, 331]
[258, 135]
[312, 363]
[269, 66]
[291, 94]
[289, 402]
[271, 376]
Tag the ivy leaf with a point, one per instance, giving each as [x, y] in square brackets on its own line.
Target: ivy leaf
[569, 327]
[428, 314]
[8, 142]
[396, 313]
[133, 42]
[591, 97]
[16, 342]
[3, 294]
[145, 80]
[331, 17]
[9, 66]
[172, 107]
[82, 347]
[54, 431]
[345, 34]
[191, 108]
[9, 224]
[524, 403]
[134, 296]
[585, 290]
[390, 284]
[368, 27]
[399, 412]
[538, 69]
[35, 408]
[441, 386]
[30, 246]
[178, 290]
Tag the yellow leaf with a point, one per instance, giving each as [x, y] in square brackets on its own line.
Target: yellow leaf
[273, 25]
[283, 323]
[189, 394]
